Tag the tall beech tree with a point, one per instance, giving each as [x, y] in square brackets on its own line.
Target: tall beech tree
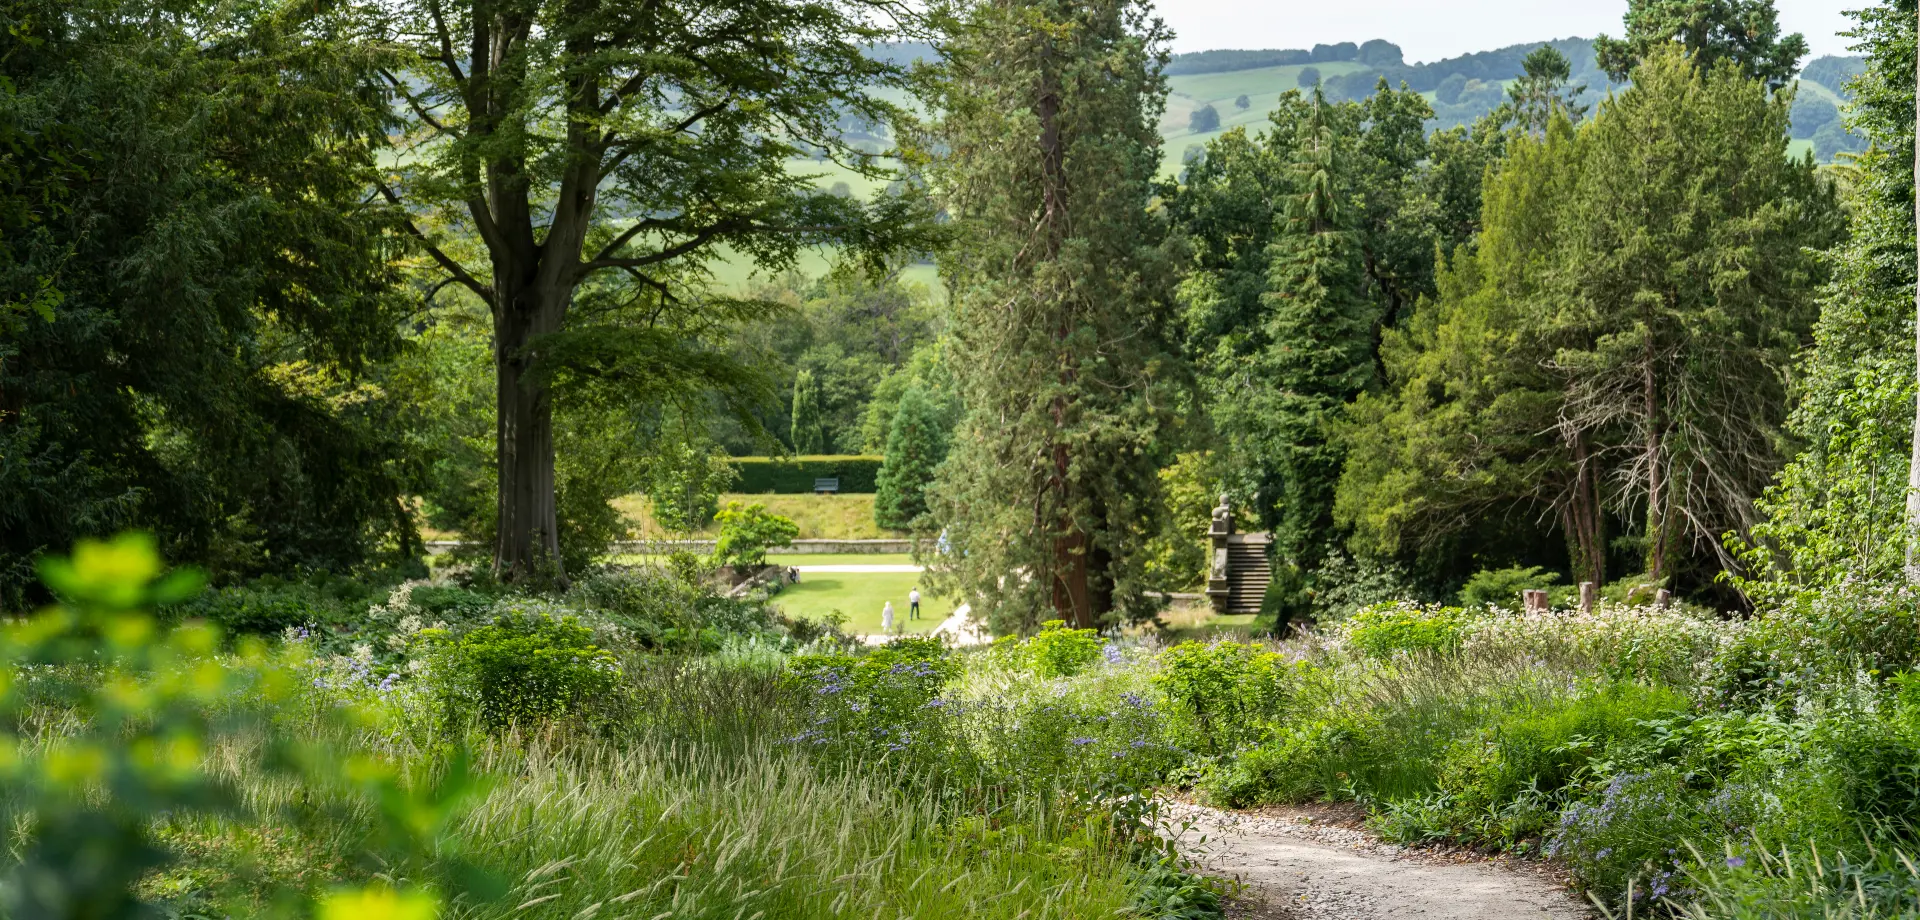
[1059, 309]
[578, 138]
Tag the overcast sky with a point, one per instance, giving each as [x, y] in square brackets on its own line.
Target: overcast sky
[1432, 29]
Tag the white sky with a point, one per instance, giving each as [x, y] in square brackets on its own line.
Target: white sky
[1433, 29]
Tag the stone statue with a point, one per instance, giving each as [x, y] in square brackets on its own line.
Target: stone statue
[1222, 517]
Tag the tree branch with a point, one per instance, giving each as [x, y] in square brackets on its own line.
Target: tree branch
[413, 102]
[460, 274]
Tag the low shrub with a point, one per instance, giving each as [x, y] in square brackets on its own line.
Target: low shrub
[526, 666]
[1223, 696]
[747, 531]
[1626, 643]
[880, 704]
[1056, 651]
[1502, 587]
[1503, 784]
[269, 606]
[1321, 758]
[1386, 630]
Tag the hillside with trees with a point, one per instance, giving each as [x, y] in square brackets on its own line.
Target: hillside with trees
[572, 459]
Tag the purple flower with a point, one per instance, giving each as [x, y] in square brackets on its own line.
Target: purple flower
[1080, 742]
[1735, 862]
[1113, 654]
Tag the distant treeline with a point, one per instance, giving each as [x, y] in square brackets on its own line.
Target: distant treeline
[1377, 52]
[1467, 87]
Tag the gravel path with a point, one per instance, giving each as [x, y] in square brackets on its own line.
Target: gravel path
[1296, 868]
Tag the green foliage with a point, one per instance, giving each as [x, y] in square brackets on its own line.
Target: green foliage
[747, 532]
[521, 669]
[1503, 587]
[876, 703]
[1542, 92]
[1223, 695]
[1059, 341]
[1509, 389]
[1303, 242]
[1743, 32]
[1242, 102]
[1836, 513]
[915, 447]
[1056, 651]
[1309, 77]
[808, 436]
[1204, 120]
[1530, 757]
[686, 485]
[149, 719]
[1389, 630]
[621, 311]
[796, 475]
[193, 288]
[270, 606]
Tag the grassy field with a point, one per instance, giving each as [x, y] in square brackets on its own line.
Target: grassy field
[820, 517]
[1262, 87]
[859, 597]
[1197, 622]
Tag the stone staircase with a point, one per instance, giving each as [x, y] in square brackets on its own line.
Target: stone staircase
[1248, 573]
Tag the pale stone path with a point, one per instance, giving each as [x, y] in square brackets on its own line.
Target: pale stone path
[1296, 870]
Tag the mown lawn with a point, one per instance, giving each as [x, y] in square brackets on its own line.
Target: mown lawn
[860, 597]
[820, 517]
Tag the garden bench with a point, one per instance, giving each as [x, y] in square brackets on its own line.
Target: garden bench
[825, 486]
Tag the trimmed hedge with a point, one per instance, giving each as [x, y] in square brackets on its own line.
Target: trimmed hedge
[795, 475]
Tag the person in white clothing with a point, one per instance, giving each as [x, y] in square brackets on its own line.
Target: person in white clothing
[913, 604]
[886, 618]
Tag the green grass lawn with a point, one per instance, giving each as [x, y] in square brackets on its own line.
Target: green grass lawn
[806, 559]
[860, 597]
[819, 517]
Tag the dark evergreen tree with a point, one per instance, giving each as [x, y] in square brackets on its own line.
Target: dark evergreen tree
[915, 447]
[1309, 77]
[1242, 102]
[808, 435]
[1541, 92]
[192, 287]
[1746, 32]
[1061, 284]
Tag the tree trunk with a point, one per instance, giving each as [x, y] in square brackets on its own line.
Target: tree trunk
[1913, 466]
[1581, 518]
[527, 531]
[1072, 588]
[1659, 497]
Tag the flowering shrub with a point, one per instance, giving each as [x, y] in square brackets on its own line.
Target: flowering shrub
[1385, 630]
[886, 702]
[1640, 643]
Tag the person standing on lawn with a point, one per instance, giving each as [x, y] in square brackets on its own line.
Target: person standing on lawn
[886, 619]
[913, 604]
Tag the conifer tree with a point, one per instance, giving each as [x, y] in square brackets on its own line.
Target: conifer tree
[808, 434]
[1051, 493]
[915, 447]
[1315, 358]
